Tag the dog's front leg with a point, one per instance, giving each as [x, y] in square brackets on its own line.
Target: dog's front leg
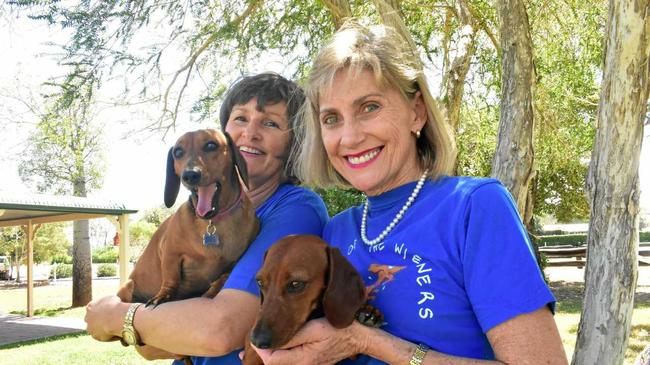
[216, 286]
[171, 276]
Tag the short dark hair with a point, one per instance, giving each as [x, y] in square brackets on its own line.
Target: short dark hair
[269, 88]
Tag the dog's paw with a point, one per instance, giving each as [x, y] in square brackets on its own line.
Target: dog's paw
[370, 316]
[161, 297]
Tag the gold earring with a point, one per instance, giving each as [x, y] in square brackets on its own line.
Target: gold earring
[417, 134]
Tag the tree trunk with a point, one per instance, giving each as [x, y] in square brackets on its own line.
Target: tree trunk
[339, 9]
[613, 185]
[513, 159]
[82, 284]
[17, 260]
[454, 80]
[391, 15]
[456, 74]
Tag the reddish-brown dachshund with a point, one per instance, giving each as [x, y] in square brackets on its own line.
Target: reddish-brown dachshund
[302, 278]
[193, 250]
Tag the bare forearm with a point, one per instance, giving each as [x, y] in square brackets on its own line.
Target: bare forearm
[530, 338]
[198, 326]
[185, 327]
[393, 350]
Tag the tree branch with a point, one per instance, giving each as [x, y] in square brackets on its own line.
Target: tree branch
[192, 61]
[483, 25]
[340, 9]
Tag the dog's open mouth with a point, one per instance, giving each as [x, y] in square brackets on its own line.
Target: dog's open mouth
[207, 200]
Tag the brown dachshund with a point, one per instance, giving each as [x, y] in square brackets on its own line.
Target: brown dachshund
[193, 250]
[302, 278]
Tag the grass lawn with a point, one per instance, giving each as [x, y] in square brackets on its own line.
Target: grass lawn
[51, 299]
[568, 311]
[55, 300]
[76, 349]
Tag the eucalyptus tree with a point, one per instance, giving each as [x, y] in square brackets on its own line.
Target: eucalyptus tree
[568, 56]
[513, 159]
[458, 41]
[613, 184]
[64, 155]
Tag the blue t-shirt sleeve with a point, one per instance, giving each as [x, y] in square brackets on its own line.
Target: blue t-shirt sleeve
[301, 212]
[501, 274]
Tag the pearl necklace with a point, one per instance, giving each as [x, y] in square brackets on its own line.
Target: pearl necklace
[397, 218]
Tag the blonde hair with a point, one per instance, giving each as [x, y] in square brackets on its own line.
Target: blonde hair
[389, 57]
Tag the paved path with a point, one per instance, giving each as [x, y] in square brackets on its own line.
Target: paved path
[17, 328]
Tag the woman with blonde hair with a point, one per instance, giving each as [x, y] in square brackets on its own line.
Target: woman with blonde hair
[446, 259]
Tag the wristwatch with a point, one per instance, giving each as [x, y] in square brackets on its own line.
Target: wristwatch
[418, 354]
[130, 336]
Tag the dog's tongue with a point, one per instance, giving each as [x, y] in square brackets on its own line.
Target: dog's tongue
[204, 203]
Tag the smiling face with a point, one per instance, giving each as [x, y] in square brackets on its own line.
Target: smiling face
[367, 132]
[263, 139]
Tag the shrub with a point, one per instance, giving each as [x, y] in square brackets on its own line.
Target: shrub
[338, 200]
[62, 271]
[562, 239]
[62, 259]
[105, 255]
[644, 236]
[106, 270]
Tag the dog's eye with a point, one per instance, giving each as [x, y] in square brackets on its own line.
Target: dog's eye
[178, 152]
[210, 146]
[295, 286]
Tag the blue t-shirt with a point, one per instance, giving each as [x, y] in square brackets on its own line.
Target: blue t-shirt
[290, 210]
[457, 264]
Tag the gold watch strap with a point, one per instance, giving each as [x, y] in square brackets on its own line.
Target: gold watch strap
[418, 354]
[128, 320]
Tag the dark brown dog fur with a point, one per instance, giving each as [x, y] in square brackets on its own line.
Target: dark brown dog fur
[302, 278]
[176, 264]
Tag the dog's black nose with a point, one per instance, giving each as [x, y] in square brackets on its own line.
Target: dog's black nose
[191, 177]
[262, 337]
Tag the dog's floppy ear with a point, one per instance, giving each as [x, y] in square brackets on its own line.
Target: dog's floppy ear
[238, 159]
[172, 181]
[345, 292]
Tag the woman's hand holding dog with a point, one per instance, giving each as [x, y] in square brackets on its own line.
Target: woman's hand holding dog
[317, 342]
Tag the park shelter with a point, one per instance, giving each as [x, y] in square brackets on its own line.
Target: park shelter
[30, 211]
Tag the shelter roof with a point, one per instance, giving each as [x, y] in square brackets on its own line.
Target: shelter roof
[17, 209]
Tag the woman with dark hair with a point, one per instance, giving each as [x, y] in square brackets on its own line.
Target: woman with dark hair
[259, 112]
